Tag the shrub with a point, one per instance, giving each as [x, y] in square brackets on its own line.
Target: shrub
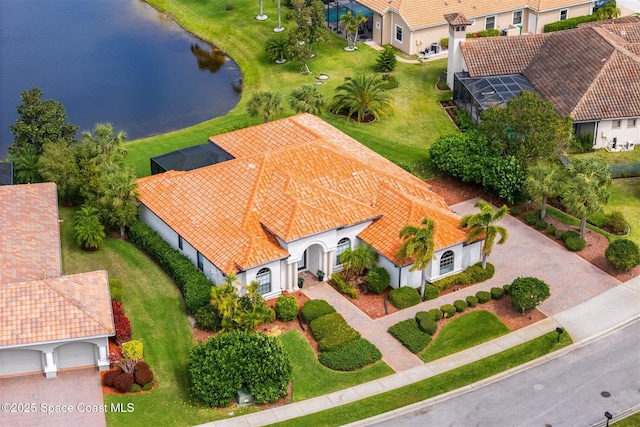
[551, 230]
[528, 292]
[623, 254]
[568, 234]
[386, 61]
[599, 219]
[332, 332]
[424, 315]
[133, 350]
[338, 282]
[497, 293]
[286, 308]
[224, 364]
[464, 121]
[135, 388]
[460, 305]
[121, 323]
[123, 382]
[437, 314]
[541, 224]
[428, 326]
[483, 296]
[410, 335]
[567, 24]
[404, 297]
[316, 308]
[355, 355]
[116, 289]
[110, 376]
[208, 319]
[478, 274]
[472, 301]
[531, 218]
[617, 223]
[431, 292]
[559, 234]
[582, 143]
[507, 289]
[448, 310]
[515, 211]
[143, 375]
[378, 279]
[575, 244]
[389, 81]
[148, 386]
[444, 43]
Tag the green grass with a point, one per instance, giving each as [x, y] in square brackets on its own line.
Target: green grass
[625, 197]
[614, 158]
[571, 220]
[434, 386]
[464, 332]
[403, 137]
[311, 378]
[631, 421]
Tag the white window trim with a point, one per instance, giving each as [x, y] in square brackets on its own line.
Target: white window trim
[560, 14]
[264, 271]
[487, 19]
[513, 15]
[631, 123]
[395, 33]
[473, 22]
[616, 124]
[338, 263]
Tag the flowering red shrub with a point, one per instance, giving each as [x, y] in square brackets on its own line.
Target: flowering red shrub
[123, 327]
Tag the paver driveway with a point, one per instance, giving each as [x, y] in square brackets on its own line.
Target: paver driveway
[78, 391]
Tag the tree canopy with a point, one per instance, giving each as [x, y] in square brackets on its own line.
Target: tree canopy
[482, 224]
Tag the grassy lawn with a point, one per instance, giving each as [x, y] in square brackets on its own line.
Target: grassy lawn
[464, 332]
[631, 421]
[403, 137]
[570, 220]
[311, 378]
[625, 197]
[434, 386]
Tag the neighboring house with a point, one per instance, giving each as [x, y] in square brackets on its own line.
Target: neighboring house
[591, 74]
[414, 25]
[48, 321]
[297, 193]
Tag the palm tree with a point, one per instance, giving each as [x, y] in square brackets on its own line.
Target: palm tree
[544, 180]
[279, 28]
[482, 225]
[356, 261]
[261, 16]
[351, 23]
[277, 48]
[25, 164]
[306, 99]
[362, 96]
[609, 10]
[265, 104]
[418, 244]
[89, 232]
[588, 188]
[118, 195]
[103, 145]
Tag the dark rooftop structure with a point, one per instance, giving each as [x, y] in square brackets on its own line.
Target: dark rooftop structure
[189, 158]
[6, 173]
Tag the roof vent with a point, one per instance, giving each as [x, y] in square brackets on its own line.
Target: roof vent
[354, 173]
[251, 166]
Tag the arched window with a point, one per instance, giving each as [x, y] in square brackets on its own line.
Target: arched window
[264, 278]
[446, 262]
[343, 245]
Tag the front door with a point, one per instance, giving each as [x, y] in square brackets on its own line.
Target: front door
[302, 264]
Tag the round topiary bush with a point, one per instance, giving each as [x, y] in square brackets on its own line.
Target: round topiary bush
[109, 377]
[617, 223]
[224, 364]
[497, 293]
[472, 301]
[541, 224]
[460, 305]
[531, 218]
[316, 308]
[437, 314]
[507, 289]
[448, 310]
[286, 308]
[424, 315]
[528, 292]
[429, 326]
[431, 292]
[207, 318]
[404, 297]
[623, 254]
[568, 234]
[142, 374]
[123, 382]
[378, 279]
[575, 244]
[135, 388]
[116, 288]
[551, 230]
[483, 296]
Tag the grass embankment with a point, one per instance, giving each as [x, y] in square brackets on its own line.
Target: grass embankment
[464, 332]
[403, 137]
[625, 197]
[434, 386]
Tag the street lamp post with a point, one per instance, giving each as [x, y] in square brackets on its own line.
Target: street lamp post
[559, 331]
[608, 416]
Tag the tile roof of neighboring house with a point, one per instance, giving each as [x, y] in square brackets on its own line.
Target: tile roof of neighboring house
[589, 73]
[55, 309]
[291, 178]
[29, 233]
[421, 13]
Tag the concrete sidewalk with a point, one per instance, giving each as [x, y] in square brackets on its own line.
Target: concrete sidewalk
[585, 322]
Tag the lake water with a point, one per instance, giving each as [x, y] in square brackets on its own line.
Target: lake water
[117, 61]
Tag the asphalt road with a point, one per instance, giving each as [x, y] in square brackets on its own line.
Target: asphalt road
[566, 391]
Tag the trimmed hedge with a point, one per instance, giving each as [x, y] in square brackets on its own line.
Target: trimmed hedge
[437, 314]
[531, 218]
[472, 301]
[448, 310]
[507, 289]
[208, 319]
[550, 230]
[617, 222]
[497, 293]
[460, 305]
[404, 297]
[193, 284]
[428, 326]
[378, 279]
[338, 282]
[568, 235]
[483, 296]
[568, 24]
[473, 274]
[316, 308]
[286, 308]
[332, 332]
[431, 292]
[354, 355]
[424, 315]
[541, 224]
[575, 244]
[410, 335]
[623, 254]
[116, 289]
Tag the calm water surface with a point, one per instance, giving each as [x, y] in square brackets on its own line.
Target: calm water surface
[117, 61]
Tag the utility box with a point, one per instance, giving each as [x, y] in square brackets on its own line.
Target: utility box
[243, 398]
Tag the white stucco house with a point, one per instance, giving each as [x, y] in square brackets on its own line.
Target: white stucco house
[590, 74]
[48, 321]
[295, 195]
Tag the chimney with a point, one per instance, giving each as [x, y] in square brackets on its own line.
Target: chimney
[458, 24]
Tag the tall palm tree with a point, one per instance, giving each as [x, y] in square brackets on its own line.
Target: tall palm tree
[362, 96]
[482, 225]
[265, 104]
[544, 180]
[351, 23]
[118, 195]
[279, 28]
[88, 229]
[103, 145]
[306, 99]
[588, 188]
[356, 261]
[418, 244]
[610, 10]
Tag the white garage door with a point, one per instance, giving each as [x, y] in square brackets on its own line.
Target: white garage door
[20, 361]
[75, 354]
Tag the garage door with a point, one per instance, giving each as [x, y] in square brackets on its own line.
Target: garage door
[75, 354]
[20, 361]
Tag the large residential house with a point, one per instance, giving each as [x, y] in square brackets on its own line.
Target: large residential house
[590, 74]
[414, 25]
[296, 194]
[48, 321]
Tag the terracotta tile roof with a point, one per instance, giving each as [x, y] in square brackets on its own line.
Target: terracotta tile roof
[29, 233]
[67, 307]
[456, 19]
[287, 187]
